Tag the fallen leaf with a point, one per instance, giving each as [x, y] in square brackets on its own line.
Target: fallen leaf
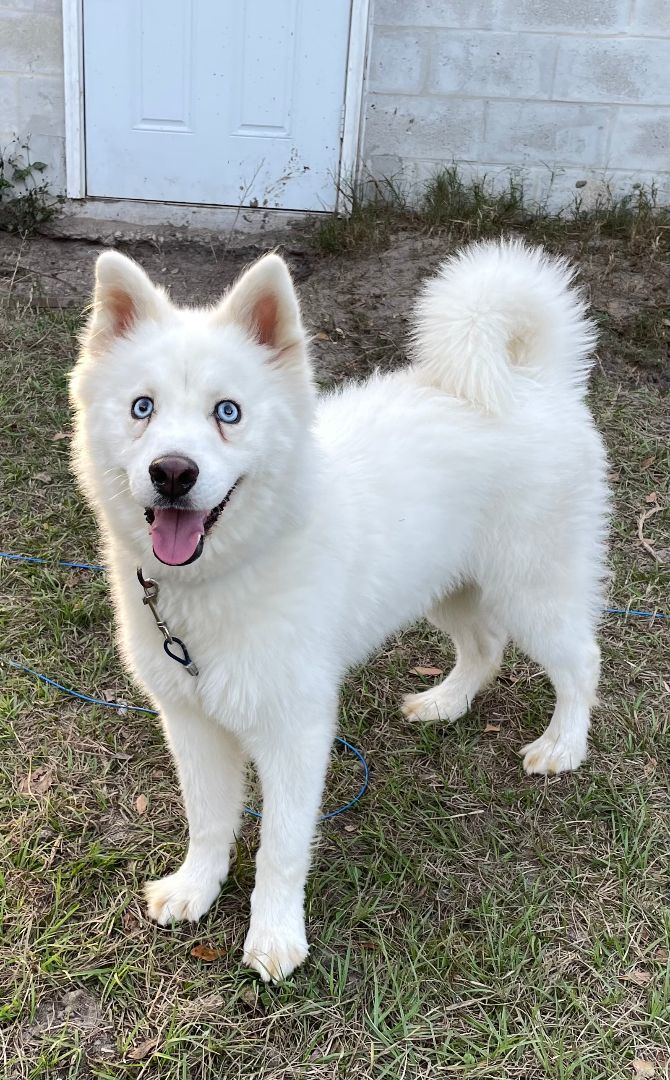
[652, 497]
[662, 955]
[130, 923]
[426, 671]
[207, 953]
[143, 1049]
[60, 435]
[648, 461]
[37, 782]
[141, 803]
[642, 1067]
[43, 477]
[638, 976]
[350, 828]
[322, 336]
[492, 728]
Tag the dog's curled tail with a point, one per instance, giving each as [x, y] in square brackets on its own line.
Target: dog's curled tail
[498, 318]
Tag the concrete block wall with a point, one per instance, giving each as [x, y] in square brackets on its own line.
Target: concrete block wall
[562, 92]
[31, 82]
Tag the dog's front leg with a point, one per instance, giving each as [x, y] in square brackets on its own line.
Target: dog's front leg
[210, 765]
[292, 770]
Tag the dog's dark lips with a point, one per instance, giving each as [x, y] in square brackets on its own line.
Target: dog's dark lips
[209, 521]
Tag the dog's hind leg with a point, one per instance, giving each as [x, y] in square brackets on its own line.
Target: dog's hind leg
[479, 645]
[210, 764]
[566, 648]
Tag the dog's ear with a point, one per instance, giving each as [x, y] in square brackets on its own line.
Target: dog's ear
[263, 302]
[123, 297]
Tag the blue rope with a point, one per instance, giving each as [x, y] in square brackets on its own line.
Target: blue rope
[640, 614]
[151, 712]
[50, 562]
[119, 706]
[94, 566]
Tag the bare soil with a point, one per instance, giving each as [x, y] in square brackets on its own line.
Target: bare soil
[357, 304]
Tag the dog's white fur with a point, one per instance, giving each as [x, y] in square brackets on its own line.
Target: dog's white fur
[469, 487]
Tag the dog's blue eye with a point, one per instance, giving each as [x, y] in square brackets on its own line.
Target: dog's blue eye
[227, 412]
[142, 408]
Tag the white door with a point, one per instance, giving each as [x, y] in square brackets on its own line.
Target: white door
[230, 102]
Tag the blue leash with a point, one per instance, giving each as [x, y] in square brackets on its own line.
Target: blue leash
[92, 566]
[119, 706]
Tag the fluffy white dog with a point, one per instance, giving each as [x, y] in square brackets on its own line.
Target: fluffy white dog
[291, 535]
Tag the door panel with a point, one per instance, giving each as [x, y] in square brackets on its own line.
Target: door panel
[231, 102]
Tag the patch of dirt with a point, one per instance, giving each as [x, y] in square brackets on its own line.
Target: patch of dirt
[74, 1015]
[356, 305]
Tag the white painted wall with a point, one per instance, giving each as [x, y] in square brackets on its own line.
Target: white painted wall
[31, 81]
[574, 89]
[562, 90]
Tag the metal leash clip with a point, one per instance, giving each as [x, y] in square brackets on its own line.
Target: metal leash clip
[150, 598]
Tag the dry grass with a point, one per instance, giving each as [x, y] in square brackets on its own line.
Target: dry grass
[465, 920]
[464, 211]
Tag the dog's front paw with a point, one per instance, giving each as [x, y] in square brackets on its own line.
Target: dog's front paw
[183, 895]
[552, 754]
[437, 705]
[274, 952]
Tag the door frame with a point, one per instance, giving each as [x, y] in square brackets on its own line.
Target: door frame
[73, 77]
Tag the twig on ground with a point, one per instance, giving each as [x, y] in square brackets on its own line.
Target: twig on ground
[640, 531]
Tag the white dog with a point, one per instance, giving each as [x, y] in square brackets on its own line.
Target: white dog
[290, 535]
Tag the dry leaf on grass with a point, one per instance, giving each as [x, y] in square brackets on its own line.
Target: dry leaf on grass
[642, 1067]
[652, 497]
[143, 1049]
[322, 336]
[37, 782]
[141, 803]
[426, 671]
[60, 435]
[648, 461]
[638, 976]
[207, 953]
[43, 477]
[492, 728]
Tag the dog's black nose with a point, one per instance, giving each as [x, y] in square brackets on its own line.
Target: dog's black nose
[173, 476]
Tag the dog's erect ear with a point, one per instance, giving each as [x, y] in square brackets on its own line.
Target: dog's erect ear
[123, 297]
[263, 302]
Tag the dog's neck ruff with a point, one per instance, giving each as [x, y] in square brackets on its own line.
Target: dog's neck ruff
[173, 646]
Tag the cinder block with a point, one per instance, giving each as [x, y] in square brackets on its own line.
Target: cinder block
[456, 13]
[546, 132]
[651, 17]
[483, 64]
[420, 127]
[50, 148]
[41, 106]
[31, 42]
[635, 70]
[640, 139]
[586, 16]
[398, 61]
[9, 103]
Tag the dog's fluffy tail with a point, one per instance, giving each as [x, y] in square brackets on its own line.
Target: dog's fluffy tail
[496, 319]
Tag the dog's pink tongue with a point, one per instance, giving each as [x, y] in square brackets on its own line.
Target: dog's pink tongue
[175, 534]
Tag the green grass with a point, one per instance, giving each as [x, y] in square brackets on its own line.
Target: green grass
[465, 920]
[466, 210]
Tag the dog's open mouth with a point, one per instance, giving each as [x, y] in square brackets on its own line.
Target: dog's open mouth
[178, 536]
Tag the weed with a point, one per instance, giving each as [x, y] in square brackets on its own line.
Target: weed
[478, 208]
[25, 199]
